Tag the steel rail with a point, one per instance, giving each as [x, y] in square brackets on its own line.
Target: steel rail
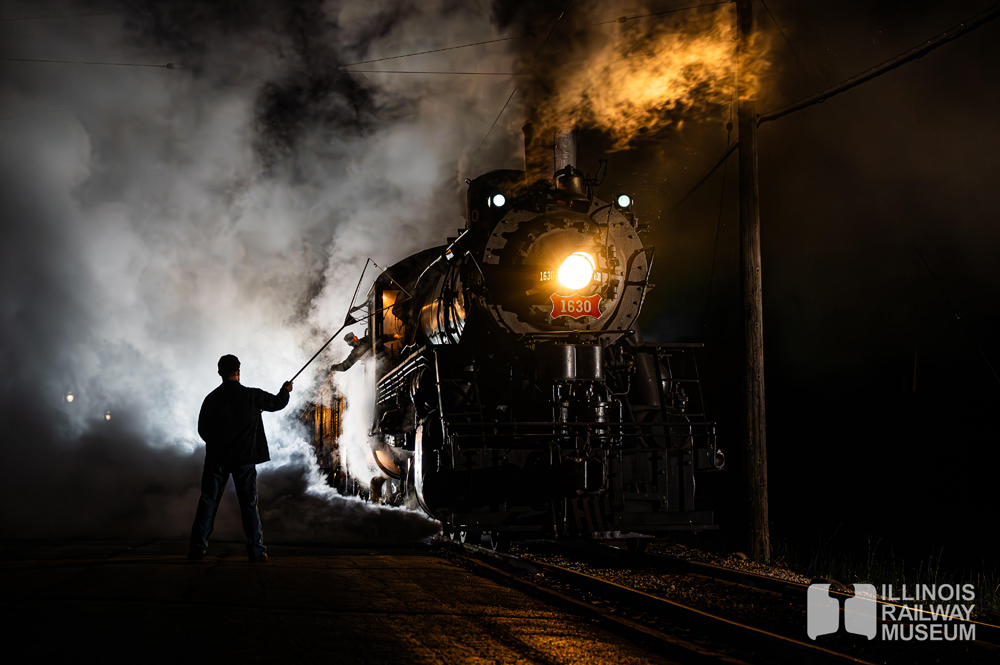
[787, 588]
[669, 646]
[735, 632]
[790, 587]
[739, 637]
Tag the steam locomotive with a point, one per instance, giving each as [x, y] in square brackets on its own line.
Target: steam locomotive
[515, 397]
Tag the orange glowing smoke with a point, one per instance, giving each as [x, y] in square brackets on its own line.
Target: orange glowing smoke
[637, 78]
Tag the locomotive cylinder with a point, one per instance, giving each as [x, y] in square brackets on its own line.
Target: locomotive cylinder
[570, 362]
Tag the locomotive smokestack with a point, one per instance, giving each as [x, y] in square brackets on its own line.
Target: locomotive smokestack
[546, 151]
[565, 148]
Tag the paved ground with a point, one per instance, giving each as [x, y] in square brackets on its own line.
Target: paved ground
[110, 602]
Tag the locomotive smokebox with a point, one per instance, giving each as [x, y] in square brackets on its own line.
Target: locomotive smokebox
[547, 151]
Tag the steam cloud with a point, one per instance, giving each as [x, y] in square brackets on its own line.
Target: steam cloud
[632, 79]
[155, 219]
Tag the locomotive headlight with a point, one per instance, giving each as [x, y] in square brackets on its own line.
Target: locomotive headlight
[577, 271]
[623, 201]
[499, 200]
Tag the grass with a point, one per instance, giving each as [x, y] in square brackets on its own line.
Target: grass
[878, 566]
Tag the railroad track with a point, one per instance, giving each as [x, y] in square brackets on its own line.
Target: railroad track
[706, 637]
[987, 634]
[679, 632]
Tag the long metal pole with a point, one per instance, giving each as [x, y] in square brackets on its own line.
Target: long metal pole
[755, 444]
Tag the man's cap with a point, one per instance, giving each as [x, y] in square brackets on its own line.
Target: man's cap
[228, 364]
[349, 337]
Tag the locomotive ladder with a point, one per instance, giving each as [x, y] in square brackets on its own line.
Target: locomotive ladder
[471, 398]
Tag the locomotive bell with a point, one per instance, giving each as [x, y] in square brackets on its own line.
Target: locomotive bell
[570, 189]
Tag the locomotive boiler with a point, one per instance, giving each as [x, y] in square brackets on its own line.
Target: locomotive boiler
[514, 395]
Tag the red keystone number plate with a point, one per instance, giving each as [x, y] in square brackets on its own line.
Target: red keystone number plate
[576, 306]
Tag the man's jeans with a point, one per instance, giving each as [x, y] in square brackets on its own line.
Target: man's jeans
[213, 484]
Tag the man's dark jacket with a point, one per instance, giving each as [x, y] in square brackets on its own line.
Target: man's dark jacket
[231, 426]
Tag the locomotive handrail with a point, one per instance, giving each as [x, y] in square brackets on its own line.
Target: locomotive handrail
[673, 345]
[579, 423]
[596, 333]
[569, 433]
[403, 364]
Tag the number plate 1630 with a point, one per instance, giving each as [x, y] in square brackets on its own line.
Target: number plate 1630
[576, 306]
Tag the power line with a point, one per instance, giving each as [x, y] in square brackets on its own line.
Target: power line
[622, 19]
[537, 53]
[553, 28]
[719, 162]
[791, 48]
[53, 16]
[401, 71]
[436, 50]
[495, 120]
[169, 65]
[887, 66]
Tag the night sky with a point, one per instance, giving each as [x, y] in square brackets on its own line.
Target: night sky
[848, 190]
[154, 219]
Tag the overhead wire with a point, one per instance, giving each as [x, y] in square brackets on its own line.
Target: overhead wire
[399, 71]
[168, 65]
[512, 92]
[497, 119]
[52, 16]
[623, 19]
[436, 50]
[892, 63]
[908, 56]
[791, 48]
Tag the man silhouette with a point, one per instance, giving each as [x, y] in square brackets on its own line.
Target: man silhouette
[235, 443]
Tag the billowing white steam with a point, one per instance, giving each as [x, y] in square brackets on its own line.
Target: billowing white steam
[358, 385]
[142, 241]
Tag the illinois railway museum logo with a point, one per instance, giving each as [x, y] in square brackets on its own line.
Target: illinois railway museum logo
[922, 613]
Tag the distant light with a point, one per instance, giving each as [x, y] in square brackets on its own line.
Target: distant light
[499, 200]
[107, 416]
[69, 396]
[624, 200]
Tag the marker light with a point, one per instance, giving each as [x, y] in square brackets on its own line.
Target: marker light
[623, 200]
[107, 416]
[69, 397]
[499, 200]
[577, 271]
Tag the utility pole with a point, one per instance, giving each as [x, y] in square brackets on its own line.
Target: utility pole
[755, 443]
